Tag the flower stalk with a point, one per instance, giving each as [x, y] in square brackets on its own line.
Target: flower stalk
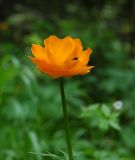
[66, 123]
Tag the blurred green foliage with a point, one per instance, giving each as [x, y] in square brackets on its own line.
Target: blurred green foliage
[30, 107]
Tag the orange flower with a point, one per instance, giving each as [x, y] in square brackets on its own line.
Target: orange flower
[61, 57]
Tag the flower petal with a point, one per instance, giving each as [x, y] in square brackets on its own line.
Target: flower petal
[60, 50]
[40, 52]
[84, 57]
[78, 46]
[37, 50]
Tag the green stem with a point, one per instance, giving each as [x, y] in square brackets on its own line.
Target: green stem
[68, 139]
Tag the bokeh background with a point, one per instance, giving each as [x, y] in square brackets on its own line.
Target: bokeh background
[101, 104]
